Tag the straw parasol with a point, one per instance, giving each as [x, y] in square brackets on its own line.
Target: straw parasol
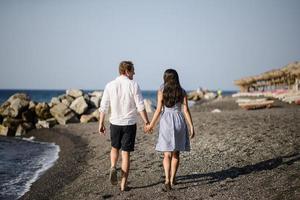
[285, 76]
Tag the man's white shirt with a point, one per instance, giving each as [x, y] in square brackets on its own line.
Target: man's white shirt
[124, 98]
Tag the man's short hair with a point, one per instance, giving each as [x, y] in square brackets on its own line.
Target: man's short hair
[125, 65]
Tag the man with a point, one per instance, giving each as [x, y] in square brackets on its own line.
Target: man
[124, 97]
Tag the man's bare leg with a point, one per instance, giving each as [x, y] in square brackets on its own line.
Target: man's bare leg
[125, 169]
[114, 155]
[113, 176]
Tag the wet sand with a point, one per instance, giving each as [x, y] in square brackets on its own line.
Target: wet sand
[236, 154]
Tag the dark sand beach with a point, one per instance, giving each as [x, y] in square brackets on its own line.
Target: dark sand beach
[236, 154]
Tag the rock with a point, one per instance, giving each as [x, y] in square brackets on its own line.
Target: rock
[201, 94]
[62, 96]
[63, 114]
[87, 99]
[45, 123]
[90, 111]
[1, 119]
[96, 94]
[52, 121]
[5, 131]
[148, 106]
[20, 130]
[216, 111]
[66, 102]
[190, 96]
[55, 101]
[42, 124]
[59, 109]
[69, 118]
[17, 106]
[210, 95]
[95, 101]
[42, 111]
[32, 105]
[96, 114]
[69, 98]
[10, 126]
[87, 118]
[22, 96]
[28, 116]
[195, 96]
[12, 123]
[4, 109]
[28, 126]
[79, 105]
[74, 93]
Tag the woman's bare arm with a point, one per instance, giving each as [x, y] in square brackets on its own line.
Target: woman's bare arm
[188, 116]
[158, 109]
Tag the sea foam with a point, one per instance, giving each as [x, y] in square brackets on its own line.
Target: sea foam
[22, 162]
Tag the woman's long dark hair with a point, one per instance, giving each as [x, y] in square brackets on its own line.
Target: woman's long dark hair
[172, 91]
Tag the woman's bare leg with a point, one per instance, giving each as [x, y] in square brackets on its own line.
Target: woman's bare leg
[167, 166]
[174, 166]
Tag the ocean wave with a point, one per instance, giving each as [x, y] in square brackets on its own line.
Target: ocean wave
[22, 162]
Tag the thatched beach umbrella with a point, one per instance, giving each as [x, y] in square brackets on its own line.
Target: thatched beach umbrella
[238, 82]
[288, 70]
[286, 76]
[244, 83]
[296, 73]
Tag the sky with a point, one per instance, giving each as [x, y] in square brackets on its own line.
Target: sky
[61, 44]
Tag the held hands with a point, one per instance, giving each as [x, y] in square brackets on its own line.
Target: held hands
[148, 128]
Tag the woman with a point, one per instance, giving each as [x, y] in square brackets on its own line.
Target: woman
[173, 132]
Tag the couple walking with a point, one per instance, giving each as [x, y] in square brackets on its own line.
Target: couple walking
[123, 96]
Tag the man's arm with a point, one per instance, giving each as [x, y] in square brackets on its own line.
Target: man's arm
[139, 101]
[102, 129]
[144, 117]
[104, 106]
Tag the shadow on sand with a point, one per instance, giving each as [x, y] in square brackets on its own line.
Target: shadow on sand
[232, 172]
[235, 172]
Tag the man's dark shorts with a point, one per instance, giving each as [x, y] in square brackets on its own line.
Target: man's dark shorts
[123, 137]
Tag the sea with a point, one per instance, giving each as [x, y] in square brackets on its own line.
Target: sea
[46, 95]
[22, 160]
